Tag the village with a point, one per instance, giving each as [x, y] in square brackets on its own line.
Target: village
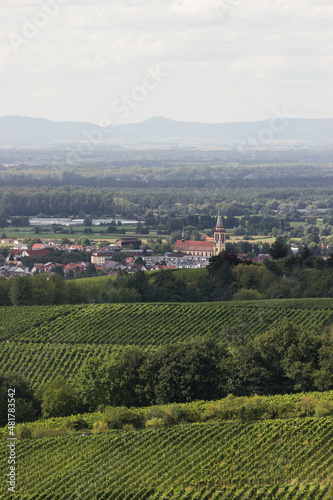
[126, 254]
[144, 245]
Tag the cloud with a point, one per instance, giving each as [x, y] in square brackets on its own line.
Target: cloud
[258, 47]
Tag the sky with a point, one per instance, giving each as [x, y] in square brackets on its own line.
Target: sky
[123, 61]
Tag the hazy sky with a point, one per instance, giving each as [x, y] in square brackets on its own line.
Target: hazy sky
[123, 61]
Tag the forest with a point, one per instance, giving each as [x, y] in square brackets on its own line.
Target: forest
[184, 182]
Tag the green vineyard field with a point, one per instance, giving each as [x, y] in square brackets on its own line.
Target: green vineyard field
[41, 362]
[152, 324]
[275, 459]
[44, 342]
[287, 459]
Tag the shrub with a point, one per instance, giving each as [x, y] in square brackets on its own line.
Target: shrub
[153, 412]
[324, 408]
[77, 423]
[24, 432]
[306, 406]
[155, 423]
[118, 416]
[100, 427]
[228, 409]
[191, 415]
[128, 427]
[61, 431]
[212, 411]
[176, 413]
[245, 294]
[254, 408]
[280, 409]
[58, 398]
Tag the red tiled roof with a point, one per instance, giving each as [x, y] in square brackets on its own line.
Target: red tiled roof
[74, 265]
[194, 246]
[16, 251]
[130, 259]
[37, 253]
[38, 246]
[31, 253]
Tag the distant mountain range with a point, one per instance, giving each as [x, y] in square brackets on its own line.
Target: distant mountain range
[16, 130]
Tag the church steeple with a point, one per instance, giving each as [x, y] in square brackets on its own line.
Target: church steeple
[183, 234]
[219, 222]
[219, 235]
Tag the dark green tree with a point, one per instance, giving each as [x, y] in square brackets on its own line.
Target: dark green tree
[279, 249]
[4, 291]
[58, 398]
[323, 377]
[99, 383]
[150, 219]
[21, 291]
[91, 270]
[186, 372]
[130, 363]
[166, 287]
[217, 261]
[27, 407]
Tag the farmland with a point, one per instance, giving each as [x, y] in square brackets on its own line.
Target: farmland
[285, 459]
[155, 324]
[45, 342]
[272, 451]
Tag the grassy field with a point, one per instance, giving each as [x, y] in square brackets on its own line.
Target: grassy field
[78, 231]
[101, 281]
[256, 239]
[100, 234]
[95, 282]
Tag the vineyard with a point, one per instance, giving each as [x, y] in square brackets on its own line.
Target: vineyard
[212, 458]
[153, 324]
[45, 342]
[275, 459]
[41, 362]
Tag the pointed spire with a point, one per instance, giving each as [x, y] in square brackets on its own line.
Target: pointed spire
[183, 234]
[219, 218]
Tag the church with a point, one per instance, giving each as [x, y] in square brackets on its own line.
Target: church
[208, 248]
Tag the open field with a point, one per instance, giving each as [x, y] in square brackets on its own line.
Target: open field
[100, 234]
[101, 281]
[78, 231]
[263, 239]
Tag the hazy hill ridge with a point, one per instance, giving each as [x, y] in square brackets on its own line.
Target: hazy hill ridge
[18, 130]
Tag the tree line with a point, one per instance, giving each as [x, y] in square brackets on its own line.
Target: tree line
[226, 278]
[75, 200]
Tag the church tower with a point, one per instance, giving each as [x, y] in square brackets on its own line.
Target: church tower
[219, 235]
